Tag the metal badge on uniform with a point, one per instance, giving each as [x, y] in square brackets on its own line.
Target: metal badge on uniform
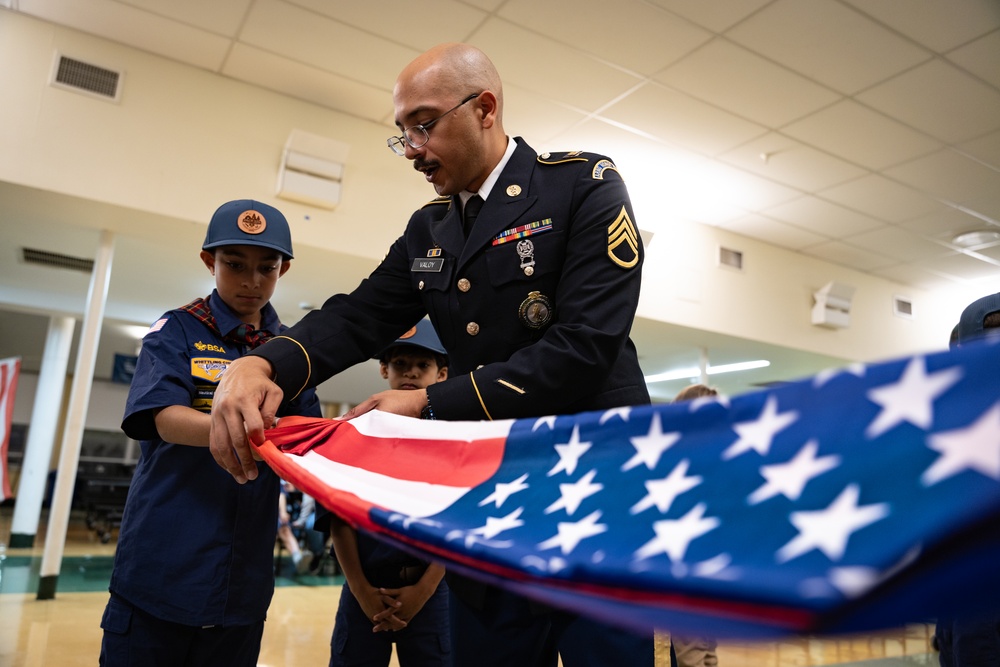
[434, 252]
[526, 251]
[513, 190]
[535, 311]
[427, 265]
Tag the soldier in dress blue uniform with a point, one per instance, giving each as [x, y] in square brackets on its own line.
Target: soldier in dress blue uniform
[533, 297]
[194, 572]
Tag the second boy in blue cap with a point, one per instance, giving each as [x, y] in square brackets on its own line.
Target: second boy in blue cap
[390, 596]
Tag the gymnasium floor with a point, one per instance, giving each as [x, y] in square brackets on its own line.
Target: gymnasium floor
[65, 631]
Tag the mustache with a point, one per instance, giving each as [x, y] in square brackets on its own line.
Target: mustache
[421, 164]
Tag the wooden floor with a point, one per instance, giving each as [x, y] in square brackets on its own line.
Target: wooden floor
[65, 631]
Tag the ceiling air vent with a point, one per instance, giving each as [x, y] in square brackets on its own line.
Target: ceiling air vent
[86, 78]
[55, 260]
[731, 258]
[902, 307]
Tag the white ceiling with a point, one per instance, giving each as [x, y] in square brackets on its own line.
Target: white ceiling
[861, 132]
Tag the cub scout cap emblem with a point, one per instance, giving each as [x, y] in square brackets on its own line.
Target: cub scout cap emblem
[535, 311]
[623, 241]
[251, 222]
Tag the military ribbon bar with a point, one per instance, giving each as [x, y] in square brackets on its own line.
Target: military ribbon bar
[515, 233]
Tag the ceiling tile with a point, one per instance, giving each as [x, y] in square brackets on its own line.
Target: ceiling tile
[716, 16]
[898, 243]
[309, 83]
[387, 18]
[850, 256]
[985, 149]
[540, 65]
[993, 252]
[915, 276]
[948, 175]
[306, 37]
[773, 232]
[681, 120]
[730, 77]
[943, 224]
[136, 28]
[223, 18]
[881, 198]
[981, 58]
[808, 36]
[963, 266]
[939, 99]
[635, 35]
[940, 26]
[860, 135]
[538, 119]
[823, 218]
[788, 161]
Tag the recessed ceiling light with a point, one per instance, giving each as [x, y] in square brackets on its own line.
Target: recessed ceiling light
[977, 237]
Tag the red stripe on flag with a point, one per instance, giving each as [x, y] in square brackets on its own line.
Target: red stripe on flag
[450, 462]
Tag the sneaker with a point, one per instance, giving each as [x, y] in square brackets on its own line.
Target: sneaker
[304, 562]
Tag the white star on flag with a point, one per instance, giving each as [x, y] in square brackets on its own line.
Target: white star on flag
[505, 490]
[911, 398]
[496, 525]
[789, 479]
[571, 495]
[663, 492]
[673, 536]
[622, 413]
[571, 534]
[548, 420]
[976, 447]
[828, 530]
[758, 434]
[649, 447]
[570, 453]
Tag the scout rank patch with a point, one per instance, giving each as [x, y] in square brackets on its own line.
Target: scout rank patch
[623, 241]
[208, 368]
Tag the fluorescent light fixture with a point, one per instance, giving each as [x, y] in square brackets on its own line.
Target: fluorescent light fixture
[135, 331]
[693, 372]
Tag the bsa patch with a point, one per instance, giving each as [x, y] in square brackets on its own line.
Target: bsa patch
[208, 368]
[601, 167]
[251, 222]
[623, 241]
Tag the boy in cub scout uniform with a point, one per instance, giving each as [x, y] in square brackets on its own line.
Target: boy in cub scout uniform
[193, 572]
[529, 268]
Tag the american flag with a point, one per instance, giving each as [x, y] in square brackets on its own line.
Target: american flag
[859, 499]
[10, 369]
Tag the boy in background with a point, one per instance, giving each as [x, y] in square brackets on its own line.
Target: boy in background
[391, 596]
[193, 572]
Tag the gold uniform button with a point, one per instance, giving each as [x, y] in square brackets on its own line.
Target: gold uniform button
[420, 285]
[464, 285]
[472, 329]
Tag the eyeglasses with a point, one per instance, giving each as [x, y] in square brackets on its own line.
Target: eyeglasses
[417, 135]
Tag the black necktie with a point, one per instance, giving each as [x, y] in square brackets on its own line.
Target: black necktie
[470, 212]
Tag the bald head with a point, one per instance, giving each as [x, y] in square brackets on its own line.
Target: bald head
[454, 69]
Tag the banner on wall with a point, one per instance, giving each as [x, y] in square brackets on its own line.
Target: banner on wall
[124, 368]
[10, 369]
[858, 500]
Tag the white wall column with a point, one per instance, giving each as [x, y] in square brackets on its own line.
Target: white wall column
[69, 456]
[42, 432]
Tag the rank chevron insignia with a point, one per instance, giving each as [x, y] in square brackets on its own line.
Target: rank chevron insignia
[623, 241]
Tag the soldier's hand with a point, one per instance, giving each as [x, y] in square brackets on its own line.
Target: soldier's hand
[245, 403]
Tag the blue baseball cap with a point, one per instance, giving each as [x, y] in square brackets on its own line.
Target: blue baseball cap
[970, 324]
[249, 222]
[420, 335]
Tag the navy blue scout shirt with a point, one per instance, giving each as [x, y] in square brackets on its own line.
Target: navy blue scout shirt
[195, 547]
